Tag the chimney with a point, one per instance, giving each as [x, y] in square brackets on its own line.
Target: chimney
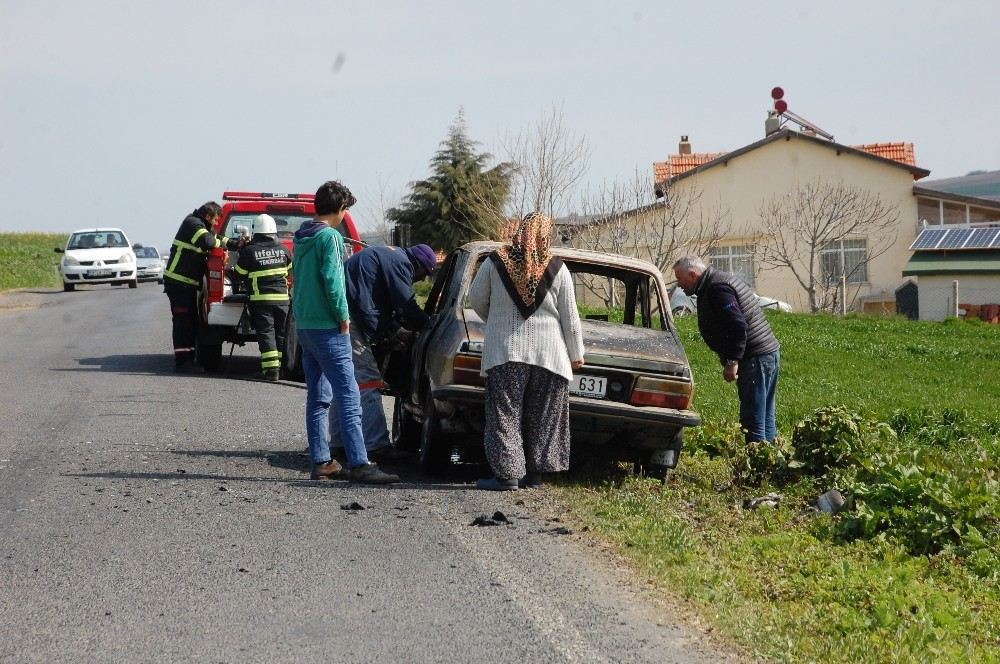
[684, 147]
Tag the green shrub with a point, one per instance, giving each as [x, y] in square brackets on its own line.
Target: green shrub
[834, 437]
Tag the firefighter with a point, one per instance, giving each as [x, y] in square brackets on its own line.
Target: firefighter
[183, 276]
[265, 263]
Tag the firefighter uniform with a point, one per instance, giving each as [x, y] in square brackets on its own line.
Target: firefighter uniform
[264, 264]
[182, 280]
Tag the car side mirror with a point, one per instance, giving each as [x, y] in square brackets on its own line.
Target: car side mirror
[60, 250]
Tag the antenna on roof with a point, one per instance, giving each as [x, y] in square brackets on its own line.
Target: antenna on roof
[780, 116]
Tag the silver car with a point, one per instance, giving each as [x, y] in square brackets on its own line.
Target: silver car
[631, 400]
[149, 264]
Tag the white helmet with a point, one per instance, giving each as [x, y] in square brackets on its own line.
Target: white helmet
[263, 224]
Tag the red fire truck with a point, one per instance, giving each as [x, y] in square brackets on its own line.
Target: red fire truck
[224, 318]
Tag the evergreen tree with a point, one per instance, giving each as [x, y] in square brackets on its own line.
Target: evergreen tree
[461, 201]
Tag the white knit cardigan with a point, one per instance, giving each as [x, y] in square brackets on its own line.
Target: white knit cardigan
[550, 338]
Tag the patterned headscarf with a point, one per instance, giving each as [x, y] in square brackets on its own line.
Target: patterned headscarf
[527, 257]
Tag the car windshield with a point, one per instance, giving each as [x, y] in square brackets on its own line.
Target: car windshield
[97, 240]
[287, 223]
[613, 294]
[146, 252]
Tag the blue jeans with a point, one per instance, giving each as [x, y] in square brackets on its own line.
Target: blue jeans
[756, 384]
[369, 379]
[326, 358]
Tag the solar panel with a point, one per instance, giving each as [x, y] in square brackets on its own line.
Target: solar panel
[955, 238]
[995, 244]
[981, 238]
[928, 238]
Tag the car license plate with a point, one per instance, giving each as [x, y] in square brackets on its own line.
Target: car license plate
[99, 273]
[589, 386]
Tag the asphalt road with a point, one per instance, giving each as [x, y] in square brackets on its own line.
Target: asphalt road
[147, 516]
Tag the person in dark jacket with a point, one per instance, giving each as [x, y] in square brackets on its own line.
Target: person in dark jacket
[731, 322]
[381, 301]
[183, 276]
[264, 265]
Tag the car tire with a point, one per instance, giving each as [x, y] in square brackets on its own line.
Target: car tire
[680, 311]
[210, 356]
[405, 428]
[435, 453]
[68, 288]
[134, 283]
[291, 354]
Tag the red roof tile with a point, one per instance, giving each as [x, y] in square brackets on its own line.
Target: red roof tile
[901, 152]
[681, 163]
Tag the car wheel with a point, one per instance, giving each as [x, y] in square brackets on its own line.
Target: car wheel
[680, 311]
[405, 428]
[435, 453]
[654, 471]
[69, 288]
[210, 356]
[291, 354]
[133, 284]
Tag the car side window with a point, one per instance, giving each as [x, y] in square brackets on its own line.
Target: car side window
[436, 299]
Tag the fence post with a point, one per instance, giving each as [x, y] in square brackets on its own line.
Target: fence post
[843, 295]
[954, 298]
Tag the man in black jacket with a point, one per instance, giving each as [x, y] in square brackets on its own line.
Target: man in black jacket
[264, 264]
[183, 276]
[731, 322]
[380, 298]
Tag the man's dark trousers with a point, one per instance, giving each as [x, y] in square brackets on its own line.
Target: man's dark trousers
[184, 310]
[269, 322]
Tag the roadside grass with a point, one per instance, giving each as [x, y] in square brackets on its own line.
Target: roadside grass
[793, 585]
[28, 259]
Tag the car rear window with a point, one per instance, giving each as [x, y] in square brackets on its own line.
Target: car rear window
[611, 294]
[287, 223]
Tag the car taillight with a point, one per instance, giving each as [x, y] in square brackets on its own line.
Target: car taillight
[661, 392]
[466, 369]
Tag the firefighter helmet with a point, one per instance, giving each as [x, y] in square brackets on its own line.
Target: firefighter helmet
[263, 224]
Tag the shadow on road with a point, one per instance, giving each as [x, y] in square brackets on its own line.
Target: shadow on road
[236, 367]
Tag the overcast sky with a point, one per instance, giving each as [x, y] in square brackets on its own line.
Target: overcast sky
[131, 114]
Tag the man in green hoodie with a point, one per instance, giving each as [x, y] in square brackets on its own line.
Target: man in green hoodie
[319, 304]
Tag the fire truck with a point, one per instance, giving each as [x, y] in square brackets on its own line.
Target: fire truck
[223, 308]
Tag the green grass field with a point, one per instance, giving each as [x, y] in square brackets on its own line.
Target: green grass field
[28, 259]
[791, 585]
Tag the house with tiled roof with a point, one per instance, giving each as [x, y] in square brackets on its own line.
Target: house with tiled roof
[738, 183]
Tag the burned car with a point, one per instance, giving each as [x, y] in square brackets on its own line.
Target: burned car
[631, 399]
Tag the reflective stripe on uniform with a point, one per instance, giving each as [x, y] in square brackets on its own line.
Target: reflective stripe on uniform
[270, 359]
[256, 295]
[241, 270]
[269, 297]
[181, 278]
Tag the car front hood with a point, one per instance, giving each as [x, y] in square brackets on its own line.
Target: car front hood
[102, 254]
[149, 262]
[611, 344]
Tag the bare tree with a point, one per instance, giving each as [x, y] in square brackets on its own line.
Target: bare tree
[373, 208]
[550, 160]
[628, 219]
[816, 218]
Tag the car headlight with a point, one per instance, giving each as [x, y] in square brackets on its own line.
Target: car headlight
[127, 257]
[69, 260]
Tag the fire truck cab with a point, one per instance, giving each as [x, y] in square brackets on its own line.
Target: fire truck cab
[223, 307]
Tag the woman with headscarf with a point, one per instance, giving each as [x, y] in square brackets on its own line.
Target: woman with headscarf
[533, 343]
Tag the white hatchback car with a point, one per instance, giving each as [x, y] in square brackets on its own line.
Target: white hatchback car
[681, 304]
[149, 264]
[97, 256]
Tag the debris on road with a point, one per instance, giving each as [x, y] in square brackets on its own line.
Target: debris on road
[831, 502]
[352, 506]
[498, 519]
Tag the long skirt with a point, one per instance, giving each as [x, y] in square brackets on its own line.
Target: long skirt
[527, 420]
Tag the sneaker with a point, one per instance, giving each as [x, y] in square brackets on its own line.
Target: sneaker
[327, 471]
[272, 375]
[497, 484]
[531, 481]
[370, 473]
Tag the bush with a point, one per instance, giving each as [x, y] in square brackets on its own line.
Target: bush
[834, 437]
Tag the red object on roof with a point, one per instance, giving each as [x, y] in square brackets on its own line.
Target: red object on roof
[901, 152]
[680, 163]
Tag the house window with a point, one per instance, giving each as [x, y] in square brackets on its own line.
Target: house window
[737, 260]
[847, 257]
